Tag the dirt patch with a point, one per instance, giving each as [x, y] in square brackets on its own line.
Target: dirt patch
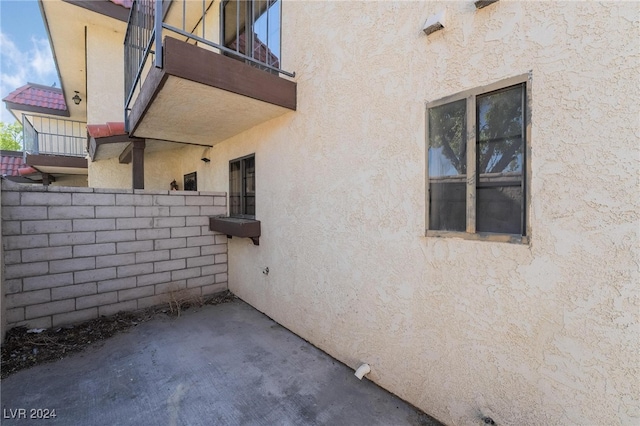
[25, 348]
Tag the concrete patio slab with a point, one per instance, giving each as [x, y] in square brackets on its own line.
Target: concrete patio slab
[217, 365]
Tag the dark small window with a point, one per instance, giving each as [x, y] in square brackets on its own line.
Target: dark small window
[191, 182]
[242, 187]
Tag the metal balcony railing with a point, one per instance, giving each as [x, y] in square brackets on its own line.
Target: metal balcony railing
[261, 19]
[53, 136]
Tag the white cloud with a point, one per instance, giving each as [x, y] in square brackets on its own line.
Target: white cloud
[34, 65]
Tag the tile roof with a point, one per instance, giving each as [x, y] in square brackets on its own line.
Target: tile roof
[37, 95]
[10, 163]
[104, 130]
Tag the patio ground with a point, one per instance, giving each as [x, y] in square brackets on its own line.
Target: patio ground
[217, 365]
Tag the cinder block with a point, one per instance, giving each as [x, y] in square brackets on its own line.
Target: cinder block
[185, 211]
[168, 222]
[44, 322]
[183, 274]
[152, 256]
[200, 241]
[24, 213]
[44, 309]
[22, 270]
[135, 269]
[115, 236]
[221, 258]
[13, 286]
[183, 253]
[15, 315]
[115, 260]
[94, 250]
[12, 256]
[27, 298]
[96, 300]
[170, 243]
[91, 275]
[134, 246]
[134, 223]
[222, 278]
[94, 225]
[153, 211]
[68, 212]
[200, 261]
[153, 234]
[43, 253]
[145, 302]
[187, 231]
[212, 211]
[169, 265]
[162, 277]
[213, 289]
[72, 265]
[10, 198]
[171, 286]
[220, 201]
[214, 269]
[168, 200]
[213, 249]
[45, 199]
[72, 239]
[46, 226]
[133, 200]
[221, 239]
[196, 221]
[93, 199]
[13, 242]
[11, 227]
[47, 281]
[107, 310]
[198, 200]
[136, 293]
[75, 317]
[201, 281]
[72, 291]
[115, 211]
[204, 230]
[117, 284]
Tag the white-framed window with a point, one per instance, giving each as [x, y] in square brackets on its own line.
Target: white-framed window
[477, 162]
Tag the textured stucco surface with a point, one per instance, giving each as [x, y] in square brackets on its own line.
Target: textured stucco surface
[542, 333]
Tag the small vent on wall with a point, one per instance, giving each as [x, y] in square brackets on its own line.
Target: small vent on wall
[484, 3]
[434, 23]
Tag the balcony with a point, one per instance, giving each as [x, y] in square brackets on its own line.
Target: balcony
[54, 146]
[192, 74]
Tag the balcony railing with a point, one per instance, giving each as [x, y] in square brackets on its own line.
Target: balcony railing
[53, 136]
[192, 21]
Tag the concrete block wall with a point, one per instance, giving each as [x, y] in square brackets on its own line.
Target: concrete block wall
[73, 254]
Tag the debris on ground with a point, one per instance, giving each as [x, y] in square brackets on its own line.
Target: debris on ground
[25, 348]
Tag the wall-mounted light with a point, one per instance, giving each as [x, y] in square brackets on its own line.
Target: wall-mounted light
[205, 157]
[76, 99]
[484, 3]
[434, 23]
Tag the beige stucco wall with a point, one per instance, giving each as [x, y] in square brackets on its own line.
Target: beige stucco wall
[544, 333]
[540, 333]
[105, 51]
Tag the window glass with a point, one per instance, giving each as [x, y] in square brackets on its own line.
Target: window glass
[447, 167]
[235, 188]
[249, 186]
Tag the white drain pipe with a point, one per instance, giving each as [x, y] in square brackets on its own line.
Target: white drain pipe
[362, 370]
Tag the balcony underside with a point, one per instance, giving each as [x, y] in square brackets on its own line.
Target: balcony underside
[202, 97]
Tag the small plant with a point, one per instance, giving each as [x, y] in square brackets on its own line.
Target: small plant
[180, 299]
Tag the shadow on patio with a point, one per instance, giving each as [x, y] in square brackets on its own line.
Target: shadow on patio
[217, 365]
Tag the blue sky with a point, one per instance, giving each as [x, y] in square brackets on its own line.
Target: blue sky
[25, 54]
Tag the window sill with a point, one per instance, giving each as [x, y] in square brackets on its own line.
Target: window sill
[496, 238]
[236, 227]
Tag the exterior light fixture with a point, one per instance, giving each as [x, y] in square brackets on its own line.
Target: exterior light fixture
[434, 23]
[76, 99]
[484, 3]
